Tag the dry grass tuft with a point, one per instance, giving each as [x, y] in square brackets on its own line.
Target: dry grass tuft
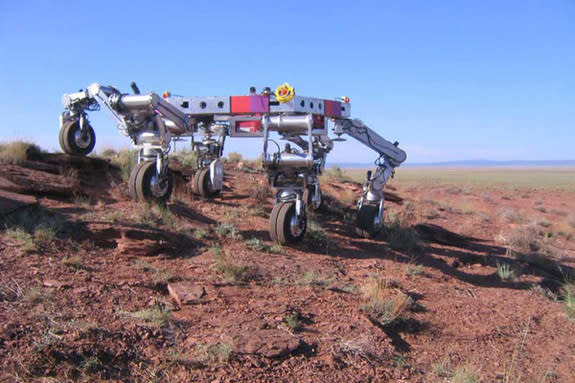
[385, 303]
[524, 239]
[571, 221]
[260, 192]
[234, 157]
[17, 152]
[400, 235]
[230, 270]
[155, 315]
[568, 297]
[511, 216]
[214, 353]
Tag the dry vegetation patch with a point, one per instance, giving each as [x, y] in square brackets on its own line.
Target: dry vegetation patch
[384, 303]
[17, 152]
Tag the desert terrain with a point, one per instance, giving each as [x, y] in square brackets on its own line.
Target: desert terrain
[471, 280]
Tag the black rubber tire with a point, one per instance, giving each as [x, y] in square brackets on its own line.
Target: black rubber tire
[203, 184]
[280, 224]
[140, 183]
[273, 220]
[68, 141]
[365, 224]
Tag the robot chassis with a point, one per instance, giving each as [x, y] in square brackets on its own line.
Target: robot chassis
[152, 122]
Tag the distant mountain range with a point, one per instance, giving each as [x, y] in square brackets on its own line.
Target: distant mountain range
[467, 163]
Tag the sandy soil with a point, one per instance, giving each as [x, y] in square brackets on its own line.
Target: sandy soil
[92, 303]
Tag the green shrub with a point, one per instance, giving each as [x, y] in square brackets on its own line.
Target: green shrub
[293, 321]
[505, 272]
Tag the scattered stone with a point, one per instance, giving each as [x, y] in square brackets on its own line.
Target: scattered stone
[256, 337]
[56, 284]
[186, 293]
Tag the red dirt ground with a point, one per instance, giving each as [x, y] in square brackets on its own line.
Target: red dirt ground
[73, 306]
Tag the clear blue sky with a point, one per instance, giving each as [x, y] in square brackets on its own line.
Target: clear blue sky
[450, 80]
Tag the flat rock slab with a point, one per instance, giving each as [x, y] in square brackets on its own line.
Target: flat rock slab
[186, 293]
[13, 201]
[30, 181]
[256, 337]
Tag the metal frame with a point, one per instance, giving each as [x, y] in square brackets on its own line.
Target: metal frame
[152, 121]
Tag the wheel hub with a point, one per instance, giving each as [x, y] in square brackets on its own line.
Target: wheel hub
[158, 186]
[82, 139]
[297, 226]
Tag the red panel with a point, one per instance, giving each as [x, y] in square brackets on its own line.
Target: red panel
[318, 121]
[250, 126]
[332, 108]
[240, 104]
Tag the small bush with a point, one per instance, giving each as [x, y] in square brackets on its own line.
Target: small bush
[505, 272]
[257, 245]
[36, 295]
[568, 297]
[258, 211]
[125, 160]
[385, 304]
[254, 165]
[412, 269]
[230, 270]
[524, 239]
[400, 236]
[234, 157]
[276, 248]
[161, 276]
[312, 277]
[293, 321]
[511, 216]
[571, 221]
[44, 237]
[560, 213]
[156, 215]
[315, 235]
[442, 368]
[200, 234]
[21, 236]
[260, 192]
[75, 262]
[228, 230]
[432, 214]
[187, 158]
[155, 315]
[465, 374]
[17, 152]
[338, 174]
[109, 153]
[214, 353]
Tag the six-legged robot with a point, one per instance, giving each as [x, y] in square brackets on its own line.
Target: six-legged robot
[293, 171]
